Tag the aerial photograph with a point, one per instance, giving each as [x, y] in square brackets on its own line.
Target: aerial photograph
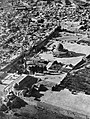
[44, 59]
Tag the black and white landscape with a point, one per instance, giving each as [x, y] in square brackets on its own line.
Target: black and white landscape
[44, 59]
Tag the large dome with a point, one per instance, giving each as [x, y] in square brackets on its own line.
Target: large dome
[59, 47]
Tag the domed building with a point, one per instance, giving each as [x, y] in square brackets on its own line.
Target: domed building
[60, 51]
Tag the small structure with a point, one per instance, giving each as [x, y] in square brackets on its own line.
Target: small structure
[55, 65]
[61, 48]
